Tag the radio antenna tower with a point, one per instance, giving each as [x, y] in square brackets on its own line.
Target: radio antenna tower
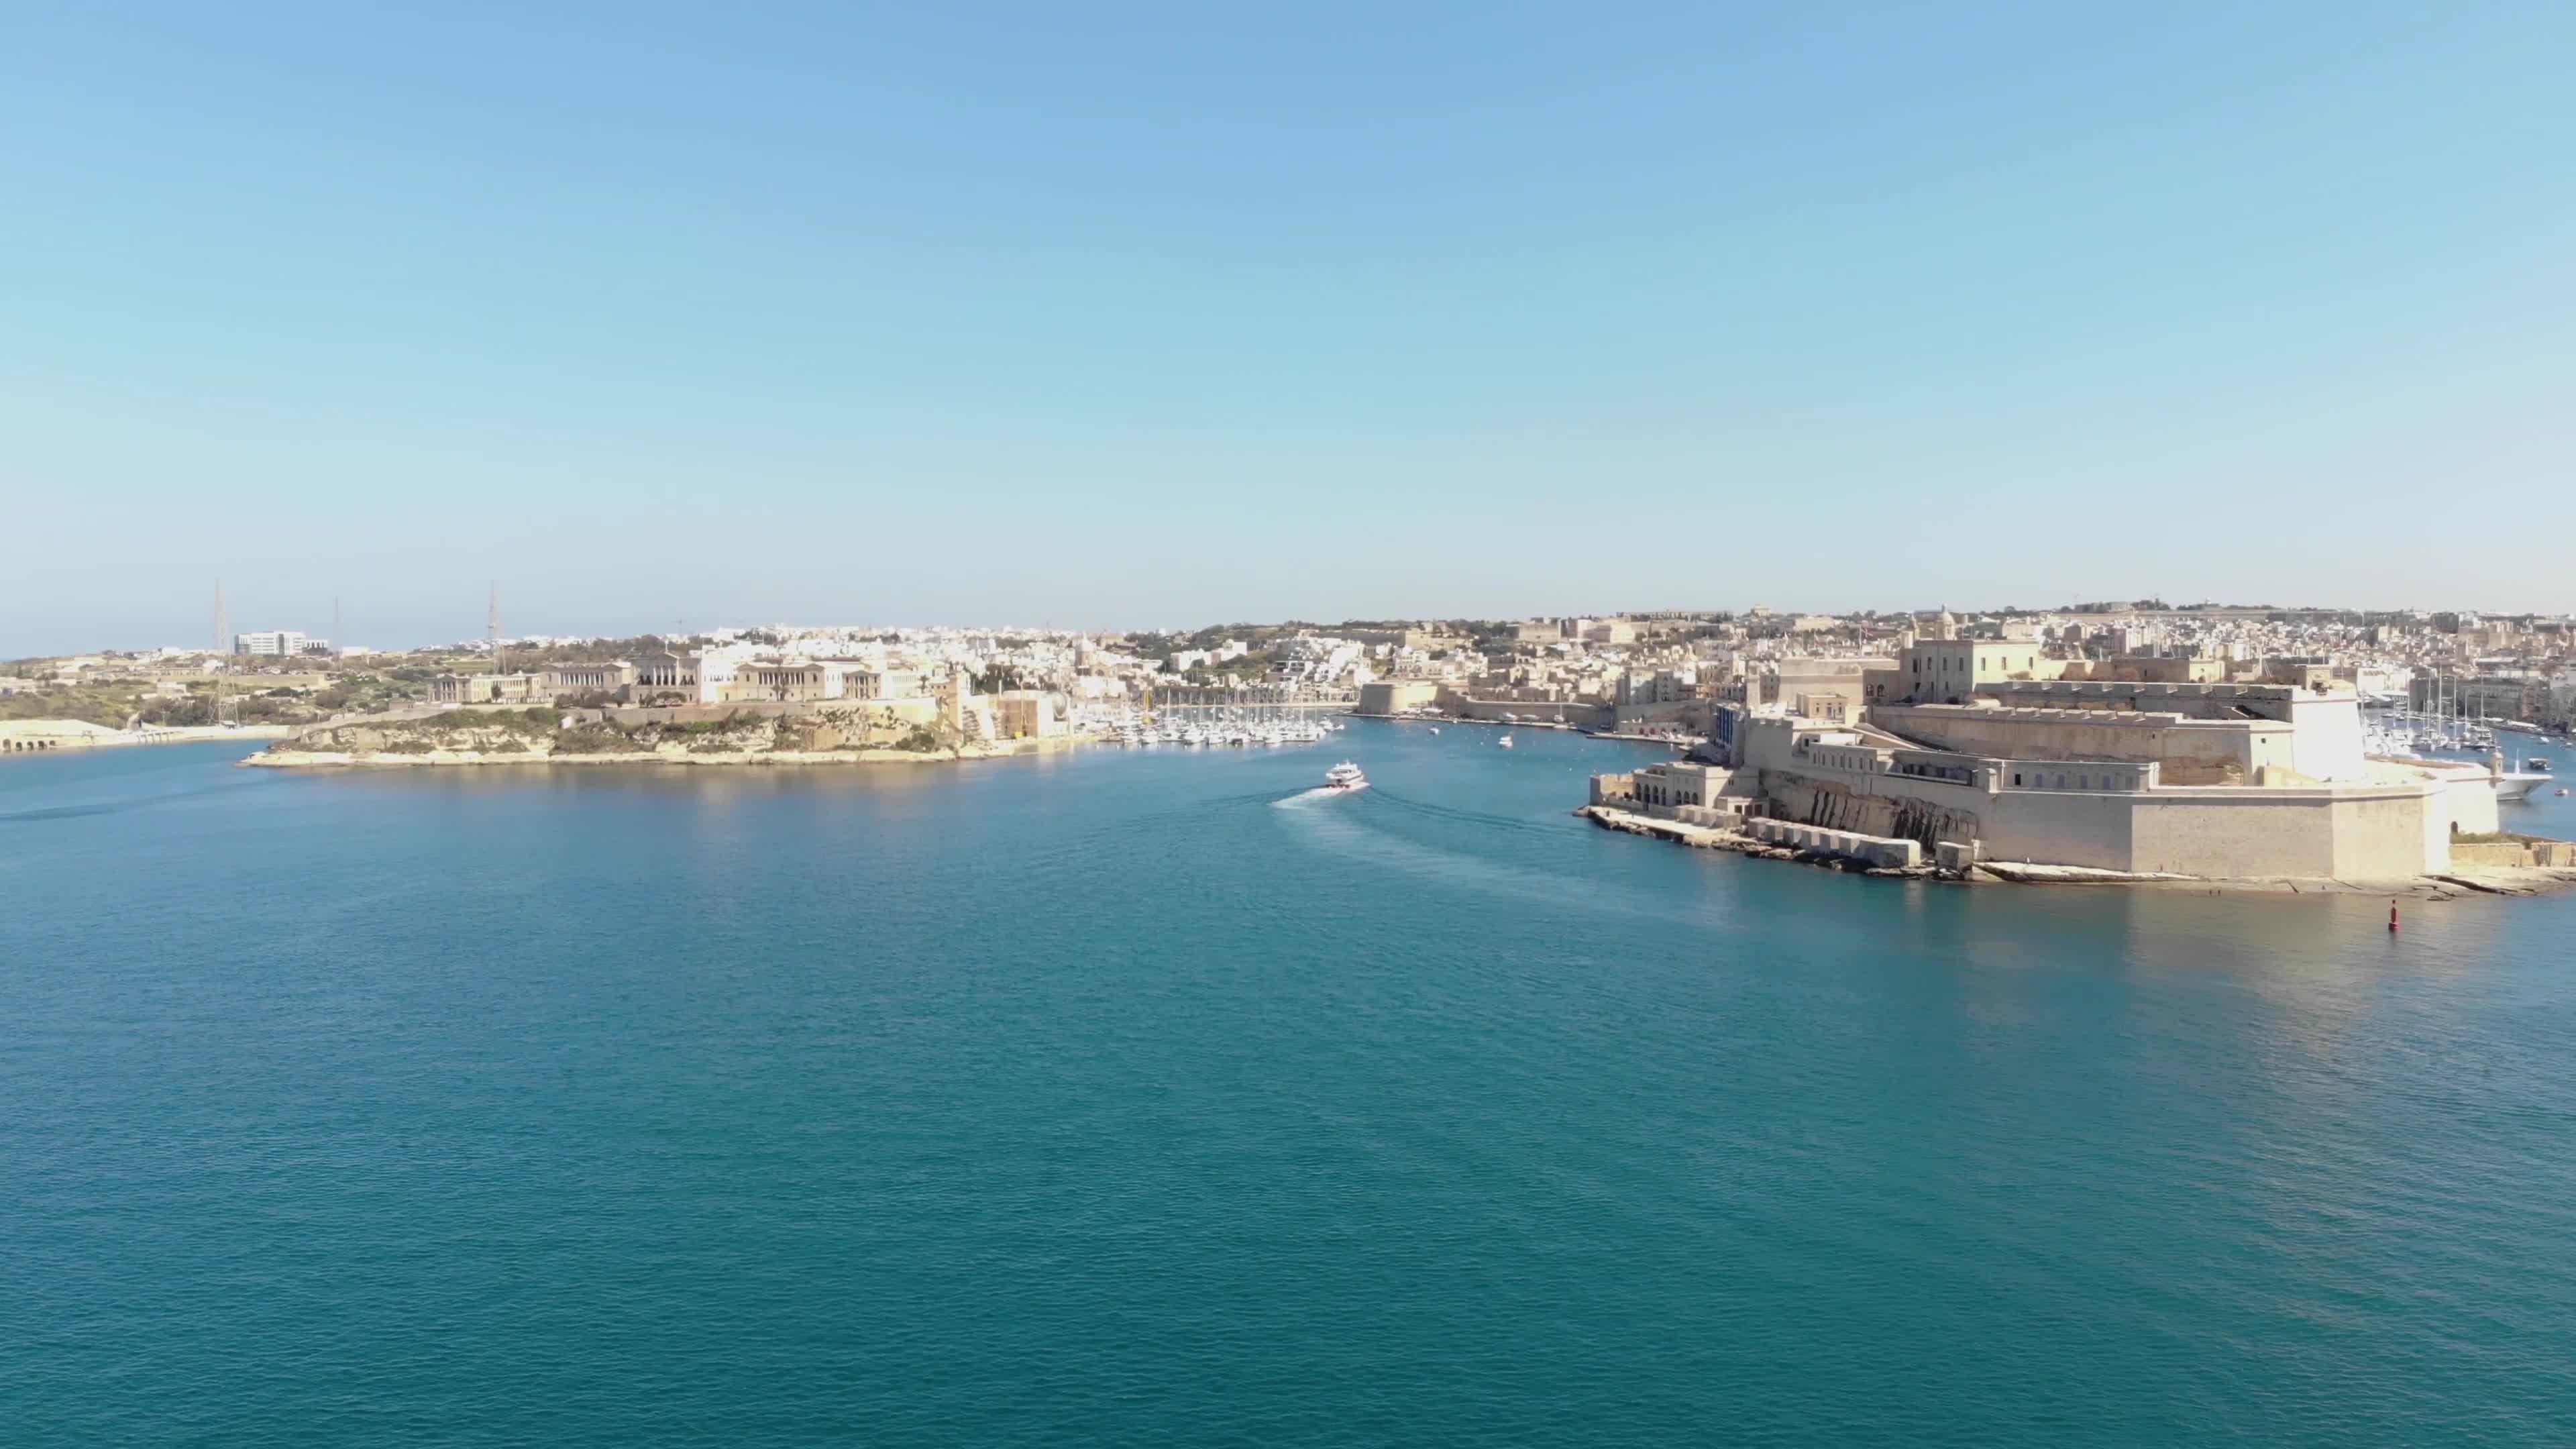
[492, 628]
[223, 645]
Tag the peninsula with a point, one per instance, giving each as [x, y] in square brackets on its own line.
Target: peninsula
[748, 734]
[1987, 758]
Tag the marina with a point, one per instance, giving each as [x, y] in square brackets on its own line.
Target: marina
[2510, 748]
[1210, 727]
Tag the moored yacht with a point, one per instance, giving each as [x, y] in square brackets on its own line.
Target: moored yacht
[2518, 785]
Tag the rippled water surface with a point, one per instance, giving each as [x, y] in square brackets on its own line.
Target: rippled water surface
[1108, 1099]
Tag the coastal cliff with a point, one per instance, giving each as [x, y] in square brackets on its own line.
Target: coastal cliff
[825, 736]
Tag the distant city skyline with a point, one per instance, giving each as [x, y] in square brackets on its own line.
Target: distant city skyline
[236, 629]
[1120, 316]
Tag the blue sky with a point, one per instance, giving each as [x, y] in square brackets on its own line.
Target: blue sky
[1109, 314]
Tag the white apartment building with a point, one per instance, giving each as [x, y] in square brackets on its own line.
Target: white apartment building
[273, 642]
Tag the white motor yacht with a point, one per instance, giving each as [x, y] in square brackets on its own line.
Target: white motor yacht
[2518, 785]
[1345, 776]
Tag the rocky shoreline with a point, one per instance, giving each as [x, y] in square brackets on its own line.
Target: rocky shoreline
[37, 735]
[277, 759]
[545, 736]
[2451, 885]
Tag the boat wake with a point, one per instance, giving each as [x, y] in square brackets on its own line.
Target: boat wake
[1304, 797]
[1361, 836]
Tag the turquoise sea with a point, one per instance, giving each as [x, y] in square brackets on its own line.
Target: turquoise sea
[1109, 1100]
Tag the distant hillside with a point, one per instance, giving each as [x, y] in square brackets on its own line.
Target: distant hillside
[542, 732]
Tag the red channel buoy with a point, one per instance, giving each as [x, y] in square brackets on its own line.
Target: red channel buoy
[2392, 918]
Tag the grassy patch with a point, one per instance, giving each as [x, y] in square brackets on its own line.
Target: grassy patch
[537, 721]
[592, 740]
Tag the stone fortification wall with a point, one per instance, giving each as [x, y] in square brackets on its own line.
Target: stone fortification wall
[2356, 833]
[2191, 751]
[1390, 695]
[2191, 701]
[1925, 811]
[2516, 851]
[1686, 714]
[2327, 745]
[1582, 715]
[2329, 738]
[2380, 833]
[2389, 831]
[2472, 799]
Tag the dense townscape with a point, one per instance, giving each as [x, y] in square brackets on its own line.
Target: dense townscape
[1654, 671]
[2129, 741]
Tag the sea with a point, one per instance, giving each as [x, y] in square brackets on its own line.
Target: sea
[1145, 1098]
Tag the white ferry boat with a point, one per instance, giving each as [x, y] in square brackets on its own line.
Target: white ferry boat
[1345, 776]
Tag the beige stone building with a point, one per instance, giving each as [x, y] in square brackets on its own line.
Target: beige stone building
[2201, 780]
[1395, 696]
[1948, 671]
[1026, 714]
[612, 676]
[1828, 688]
[775, 680]
[490, 689]
[872, 683]
[666, 672]
[2154, 669]
[1677, 784]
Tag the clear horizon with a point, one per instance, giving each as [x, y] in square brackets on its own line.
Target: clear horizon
[1137, 313]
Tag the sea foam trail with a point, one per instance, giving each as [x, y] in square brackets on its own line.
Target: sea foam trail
[1478, 818]
[1308, 796]
[1353, 837]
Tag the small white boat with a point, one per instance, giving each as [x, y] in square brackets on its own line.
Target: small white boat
[1435, 729]
[1345, 776]
[1505, 742]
